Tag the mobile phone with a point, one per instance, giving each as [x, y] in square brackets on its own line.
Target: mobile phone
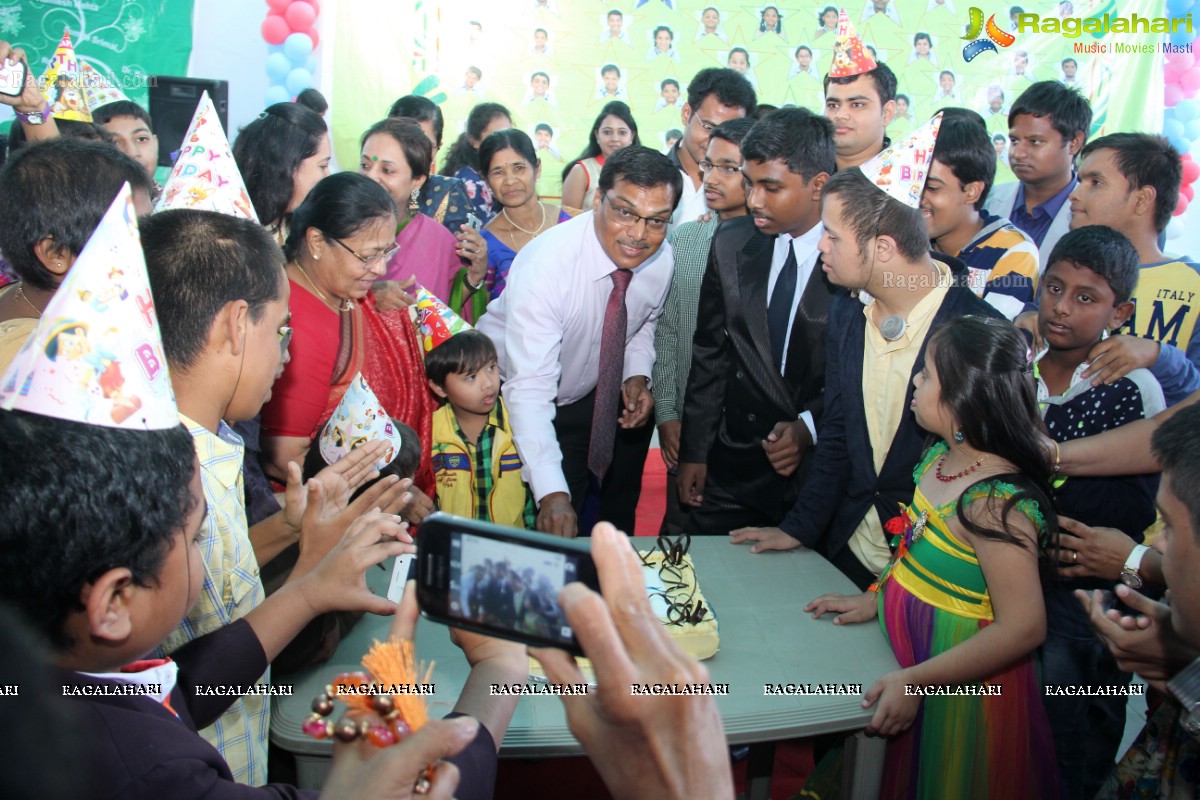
[12, 77]
[499, 581]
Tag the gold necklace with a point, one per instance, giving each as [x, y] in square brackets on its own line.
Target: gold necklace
[28, 302]
[346, 305]
[531, 234]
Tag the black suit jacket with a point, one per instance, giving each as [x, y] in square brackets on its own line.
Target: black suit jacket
[735, 395]
[842, 483]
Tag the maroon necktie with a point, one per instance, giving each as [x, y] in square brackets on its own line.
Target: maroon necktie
[608, 384]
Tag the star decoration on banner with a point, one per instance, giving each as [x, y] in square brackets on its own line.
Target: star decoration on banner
[668, 3]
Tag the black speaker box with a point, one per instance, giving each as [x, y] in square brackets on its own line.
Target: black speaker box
[173, 101]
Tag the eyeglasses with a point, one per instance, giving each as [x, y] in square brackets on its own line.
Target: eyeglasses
[722, 169]
[627, 219]
[705, 126]
[285, 338]
[383, 255]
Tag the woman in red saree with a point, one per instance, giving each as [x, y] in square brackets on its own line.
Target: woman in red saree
[341, 238]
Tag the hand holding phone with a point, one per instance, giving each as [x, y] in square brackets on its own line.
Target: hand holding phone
[12, 77]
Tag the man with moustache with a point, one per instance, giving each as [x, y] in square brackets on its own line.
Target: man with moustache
[757, 379]
[574, 332]
[725, 195]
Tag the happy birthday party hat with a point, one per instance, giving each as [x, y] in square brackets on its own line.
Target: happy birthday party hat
[901, 168]
[435, 320]
[96, 355]
[205, 176]
[850, 57]
[62, 83]
[98, 91]
[358, 419]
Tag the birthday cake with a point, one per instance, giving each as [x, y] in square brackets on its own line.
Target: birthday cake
[675, 596]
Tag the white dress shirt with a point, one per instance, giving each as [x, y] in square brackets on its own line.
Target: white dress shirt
[691, 203]
[805, 247]
[547, 327]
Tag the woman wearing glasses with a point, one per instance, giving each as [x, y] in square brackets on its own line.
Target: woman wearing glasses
[613, 129]
[397, 155]
[340, 241]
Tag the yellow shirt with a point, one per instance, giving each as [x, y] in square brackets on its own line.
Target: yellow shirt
[231, 590]
[887, 371]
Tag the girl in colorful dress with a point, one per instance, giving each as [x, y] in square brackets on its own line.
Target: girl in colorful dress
[961, 601]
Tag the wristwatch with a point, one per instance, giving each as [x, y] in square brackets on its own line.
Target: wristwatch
[1129, 572]
[34, 117]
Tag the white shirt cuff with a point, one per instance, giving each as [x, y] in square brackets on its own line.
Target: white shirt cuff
[808, 422]
[546, 479]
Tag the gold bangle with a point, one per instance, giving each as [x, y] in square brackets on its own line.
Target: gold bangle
[1057, 457]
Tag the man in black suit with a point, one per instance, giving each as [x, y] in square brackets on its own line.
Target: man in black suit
[754, 392]
[869, 439]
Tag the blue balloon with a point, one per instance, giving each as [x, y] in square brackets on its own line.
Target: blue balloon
[1186, 110]
[278, 66]
[1173, 128]
[274, 48]
[277, 94]
[1180, 38]
[1191, 131]
[1178, 8]
[298, 80]
[297, 46]
[310, 64]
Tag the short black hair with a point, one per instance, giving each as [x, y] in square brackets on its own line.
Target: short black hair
[964, 146]
[120, 108]
[478, 72]
[1176, 446]
[730, 87]
[1146, 159]
[462, 353]
[666, 81]
[731, 130]
[1063, 63]
[922, 35]
[67, 129]
[871, 212]
[125, 514]
[664, 28]
[1067, 109]
[59, 188]
[802, 47]
[741, 50]
[883, 77]
[200, 260]
[641, 166]
[1103, 250]
[903, 97]
[420, 109]
[313, 99]
[269, 150]
[404, 463]
[616, 12]
[611, 68]
[418, 152]
[339, 206]
[463, 153]
[541, 126]
[762, 110]
[796, 136]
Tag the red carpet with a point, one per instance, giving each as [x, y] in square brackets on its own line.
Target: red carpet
[521, 779]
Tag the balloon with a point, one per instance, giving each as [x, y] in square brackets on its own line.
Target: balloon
[1178, 7]
[310, 64]
[316, 39]
[316, 6]
[300, 15]
[1186, 110]
[277, 94]
[1190, 81]
[1191, 130]
[298, 80]
[1187, 191]
[275, 29]
[298, 46]
[1181, 61]
[1191, 170]
[278, 67]
[1174, 229]
[1181, 207]
[1172, 94]
[278, 5]
[1180, 38]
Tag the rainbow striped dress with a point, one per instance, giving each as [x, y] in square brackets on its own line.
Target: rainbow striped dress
[933, 597]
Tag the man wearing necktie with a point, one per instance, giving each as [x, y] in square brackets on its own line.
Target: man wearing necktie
[574, 330]
[755, 390]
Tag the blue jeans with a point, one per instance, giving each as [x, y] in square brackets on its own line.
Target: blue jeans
[1087, 730]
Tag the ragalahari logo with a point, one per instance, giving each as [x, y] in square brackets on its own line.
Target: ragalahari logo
[995, 36]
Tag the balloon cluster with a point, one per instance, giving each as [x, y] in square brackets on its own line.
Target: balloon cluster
[1181, 123]
[291, 35]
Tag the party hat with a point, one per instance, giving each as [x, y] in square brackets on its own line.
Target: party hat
[900, 170]
[62, 83]
[435, 320]
[96, 355]
[850, 57]
[98, 91]
[205, 175]
[358, 419]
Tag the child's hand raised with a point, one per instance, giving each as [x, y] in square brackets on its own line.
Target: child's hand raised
[848, 607]
[896, 710]
[338, 583]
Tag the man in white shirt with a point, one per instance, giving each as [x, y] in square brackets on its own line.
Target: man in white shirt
[549, 328]
[714, 96]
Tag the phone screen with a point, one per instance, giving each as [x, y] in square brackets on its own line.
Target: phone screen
[509, 586]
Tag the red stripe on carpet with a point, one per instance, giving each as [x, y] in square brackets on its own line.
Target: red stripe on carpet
[653, 503]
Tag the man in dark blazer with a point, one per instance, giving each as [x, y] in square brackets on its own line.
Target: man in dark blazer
[754, 392]
[870, 442]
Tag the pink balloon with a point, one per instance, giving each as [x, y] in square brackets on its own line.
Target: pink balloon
[312, 34]
[300, 15]
[1181, 61]
[1181, 206]
[1191, 171]
[278, 5]
[1172, 95]
[1187, 191]
[1190, 80]
[316, 6]
[275, 28]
